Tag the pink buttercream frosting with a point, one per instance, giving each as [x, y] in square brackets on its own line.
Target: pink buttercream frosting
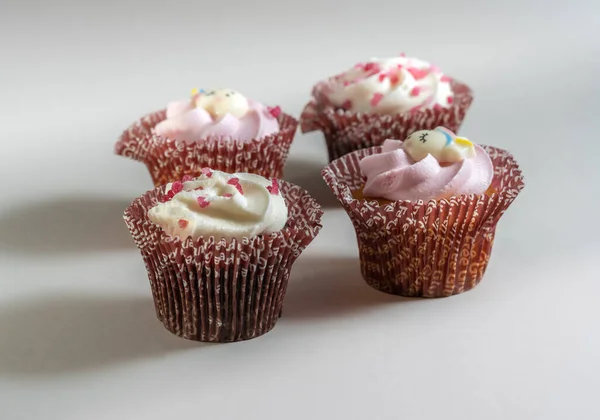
[394, 175]
[190, 123]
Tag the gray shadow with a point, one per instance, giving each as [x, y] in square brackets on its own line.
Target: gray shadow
[307, 175]
[66, 225]
[331, 287]
[71, 333]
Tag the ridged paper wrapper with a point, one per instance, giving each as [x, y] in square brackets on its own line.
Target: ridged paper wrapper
[220, 290]
[425, 249]
[169, 160]
[346, 131]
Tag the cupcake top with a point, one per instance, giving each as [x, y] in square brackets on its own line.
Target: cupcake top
[390, 86]
[221, 205]
[429, 164]
[218, 112]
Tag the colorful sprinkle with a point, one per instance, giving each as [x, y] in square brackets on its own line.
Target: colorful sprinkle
[203, 202]
[377, 97]
[177, 187]
[236, 183]
[415, 91]
[206, 172]
[183, 223]
[274, 187]
[275, 111]
[450, 99]
[418, 74]
[186, 178]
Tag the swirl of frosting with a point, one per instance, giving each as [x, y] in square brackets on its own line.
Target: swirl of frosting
[221, 205]
[429, 164]
[390, 86]
[218, 112]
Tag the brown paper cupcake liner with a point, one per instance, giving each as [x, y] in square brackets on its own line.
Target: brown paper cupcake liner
[347, 131]
[169, 160]
[427, 249]
[222, 290]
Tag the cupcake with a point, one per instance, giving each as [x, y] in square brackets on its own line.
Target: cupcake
[381, 99]
[425, 209]
[219, 249]
[217, 128]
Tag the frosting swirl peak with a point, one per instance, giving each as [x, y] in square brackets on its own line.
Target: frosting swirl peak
[217, 112]
[221, 205]
[409, 171]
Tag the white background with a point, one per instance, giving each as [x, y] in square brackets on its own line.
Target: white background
[78, 334]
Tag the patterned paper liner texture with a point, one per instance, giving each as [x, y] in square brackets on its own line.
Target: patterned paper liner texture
[347, 131]
[169, 160]
[218, 290]
[426, 249]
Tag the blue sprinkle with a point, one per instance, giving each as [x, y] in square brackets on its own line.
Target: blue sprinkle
[201, 91]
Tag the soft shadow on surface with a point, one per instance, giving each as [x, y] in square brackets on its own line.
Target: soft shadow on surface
[330, 287]
[307, 174]
[66, 225]
[71, 333]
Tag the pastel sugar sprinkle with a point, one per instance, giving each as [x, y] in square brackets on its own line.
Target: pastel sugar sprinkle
[202, 202]
[236, 183]
[182, 223]
[418, 74]
[177, 187]
[274, 187]
[377, 97]
[275, 111]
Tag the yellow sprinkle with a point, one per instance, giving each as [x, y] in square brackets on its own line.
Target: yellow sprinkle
[463, 141]
[195, 91]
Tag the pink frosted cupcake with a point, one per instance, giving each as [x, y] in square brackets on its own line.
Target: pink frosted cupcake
[381, 99]
[218, 128]
[425, 210]
[219, 249]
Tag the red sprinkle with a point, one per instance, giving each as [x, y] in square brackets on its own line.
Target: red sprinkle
[168, 196]
[445, 78]
[177, 187]
[418, 74]
[450, 99]
[274, 187]
[402, 54]
[347, 82]
[371, 66]
[275, 112]
[415, 91]
[199, 188]
[347, 104]
[227, 195]
[394, 78]
[438, 107]
[202, 202]
[182, 223]
[382, 77]
[206, 172]
[186, 178]
[377, 97]
[236, 183]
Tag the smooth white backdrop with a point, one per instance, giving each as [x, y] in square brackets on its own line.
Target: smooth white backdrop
[78, 334]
